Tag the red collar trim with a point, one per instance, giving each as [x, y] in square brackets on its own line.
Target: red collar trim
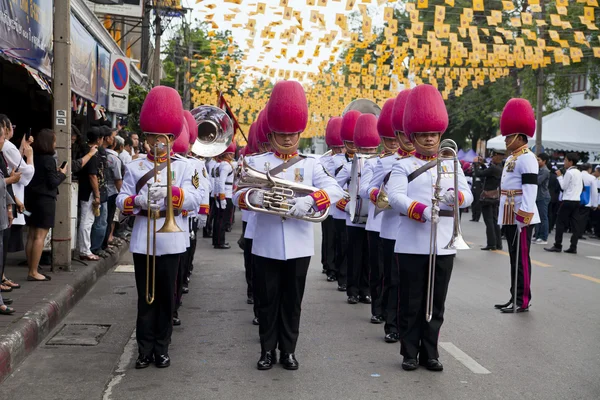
[161, 159]
[285, 157]
[426, 158]
[404, 153]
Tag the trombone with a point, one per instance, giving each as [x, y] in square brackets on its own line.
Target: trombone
[170, 226]
[457, 242]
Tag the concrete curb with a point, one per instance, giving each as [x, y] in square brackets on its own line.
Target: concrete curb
[28, 332]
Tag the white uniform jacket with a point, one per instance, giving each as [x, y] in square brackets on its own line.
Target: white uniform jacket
[288, 238]
[13, 159]
[186, 196]
[210, 168]
[343, 179]
[519, 189]
[368, 173]
[250, 225]
[224, 179]
[411, 199]
[201, 176]
[337, 162]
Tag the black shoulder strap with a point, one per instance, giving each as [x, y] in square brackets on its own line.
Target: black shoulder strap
[387, 177]
[338, 169]
[415, 174]
[149, 175]
[287, 164]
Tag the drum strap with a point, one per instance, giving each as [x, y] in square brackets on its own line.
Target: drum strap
[149, 175]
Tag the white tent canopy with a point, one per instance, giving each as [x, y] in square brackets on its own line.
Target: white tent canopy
[566, 129]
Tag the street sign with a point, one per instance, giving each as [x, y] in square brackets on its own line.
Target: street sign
[118, 91]
[126, 8]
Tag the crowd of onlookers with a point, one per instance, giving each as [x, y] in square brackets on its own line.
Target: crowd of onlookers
[32, 175]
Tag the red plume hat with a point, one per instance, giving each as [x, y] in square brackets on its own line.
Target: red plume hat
[192, 126]
[384, 122]
[348, 124]
[333, 133]
[231, 148]
[251, 146]
[365, 131]
[162, 112]
[398, 111]
[262, 127]
[181, 145]
[517, 118]
[425, 111]
[287, 111]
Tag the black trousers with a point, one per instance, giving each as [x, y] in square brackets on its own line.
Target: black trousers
[492, 229]
[341, 246]
[358, 262]
[222, 220]
[279, 289]
[180, 280]
[212, 210]
[154, 324]
[391, 280]
[111, 208]
[524, 262]
[5, 239]
[192, 249]
[248, 266]
[375, 272]
[553, 208]
[476, 205]
[417, 336]
[584, 219]
[328, 245]
[568, 216]
[596, 222]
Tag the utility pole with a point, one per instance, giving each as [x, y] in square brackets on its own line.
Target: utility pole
[145, 38]
[539, 109]
[157, 35]
[61, 89]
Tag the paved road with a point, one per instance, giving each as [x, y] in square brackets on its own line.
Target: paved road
[552, 352]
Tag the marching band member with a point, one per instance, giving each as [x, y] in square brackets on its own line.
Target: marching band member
[224, 183]
[245, 216]
[335, 144]
[262, 132]
[282, 246]
[411, 190]
[390, 219]
[212, 207]
[161, 114]
[518, 192]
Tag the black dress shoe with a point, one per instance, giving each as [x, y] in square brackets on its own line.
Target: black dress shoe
[255, 321]
[499, 306]
[266, 361]
[553, 249]
[176, 321]
[433, 364]
[331, 278]
[352, 299]
[509, 309]
[223, 246]
[143, 362]
[250, 300]
[7, 301]
[162, 361]
[289, 361]
[409, 364]
[488, 248]
[342, 288]
[365, 299]
[571, 250]
[377, 319]
[185, 290]
[391, 337]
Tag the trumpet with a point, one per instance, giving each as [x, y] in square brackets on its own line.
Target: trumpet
[457, 242]
[276, 192]
[170, 226]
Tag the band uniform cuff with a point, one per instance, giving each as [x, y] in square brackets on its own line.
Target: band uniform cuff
[184, 213]
[415, 211]
[177, 197]
[204, 209]
[373, 195]
[524, 217]
[221, 196]
[461, 198]
[129, 205]
[341, 205]
[242, 205]
[321, 199]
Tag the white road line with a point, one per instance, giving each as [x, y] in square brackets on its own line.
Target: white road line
[464, 358]
[588, 243]
[593, 257]
[125, 268]
[124, 360]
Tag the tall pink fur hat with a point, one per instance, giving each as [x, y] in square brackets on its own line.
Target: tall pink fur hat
[333, 132]
[162, 112]
[384, 122]
[517, 118]
[251, 146]
[181, 145]
[287, 111]
[398, 111]
[348, 124]
[231, 148]
[425, 111]
[365, 131]
[192, 126]
[262, 127]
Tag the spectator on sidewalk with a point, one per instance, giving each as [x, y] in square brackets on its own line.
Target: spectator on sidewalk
[568, 214]
[589, 198]
[89, 197]
[101, 217]
[490, 197]
[596, 212]
[78, 158]
[6, 203]
[114, 180]
[543, 200]
[125, 155]
[554, 190]
[40, 199]
[476, 189]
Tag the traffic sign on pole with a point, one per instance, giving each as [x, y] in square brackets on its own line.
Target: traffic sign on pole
[118, 92]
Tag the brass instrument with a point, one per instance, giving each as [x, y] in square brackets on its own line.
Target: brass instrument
[365, 106]
[276, 193]
[170, 225]
[327, 153]
[215, 131]
[457, 242]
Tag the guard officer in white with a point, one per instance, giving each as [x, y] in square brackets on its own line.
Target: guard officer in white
[161, 114]
[224, 188]
[282, 246]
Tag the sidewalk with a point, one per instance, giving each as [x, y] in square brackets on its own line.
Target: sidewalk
[41, 306]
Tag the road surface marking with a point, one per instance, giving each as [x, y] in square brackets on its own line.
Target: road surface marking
[464, 358]
[589, 278]
[534, 262]
[593, 257]
[124, 360]
[588, 243]
[125, 268]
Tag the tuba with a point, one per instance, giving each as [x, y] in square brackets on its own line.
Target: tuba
[215, 131]
[457, 242]
[276, 192]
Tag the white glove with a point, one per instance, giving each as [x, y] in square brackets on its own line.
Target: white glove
[302, 205]
[202, 220]
[157, 192]
[256, 197]
[521, 225]
[427, 214]
[223, 204]
[448, 198]
[141, 201]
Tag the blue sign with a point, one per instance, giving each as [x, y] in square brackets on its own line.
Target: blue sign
[84, 72]
[103, 76]
[120, 74]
